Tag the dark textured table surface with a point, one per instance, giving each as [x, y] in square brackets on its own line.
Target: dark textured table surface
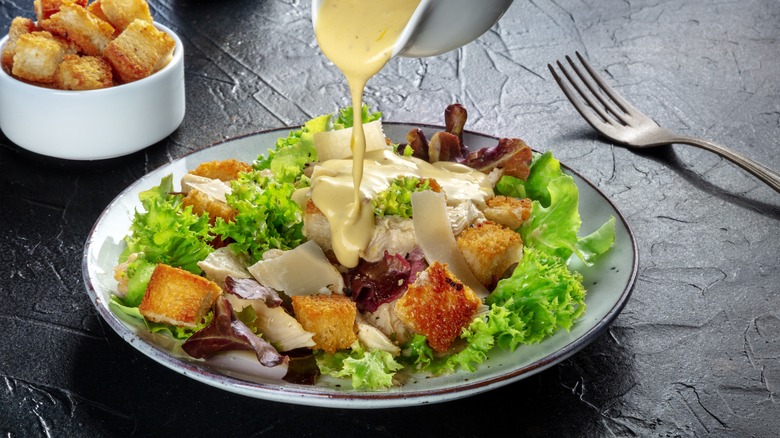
[695, 352]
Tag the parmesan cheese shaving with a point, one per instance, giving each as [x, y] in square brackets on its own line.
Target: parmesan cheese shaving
[435, 238]
[304, 270]
[214, 188]
[336, 144]
[222, 263]
[281, 329]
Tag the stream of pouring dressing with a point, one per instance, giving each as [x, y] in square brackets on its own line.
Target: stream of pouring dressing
[359, 37]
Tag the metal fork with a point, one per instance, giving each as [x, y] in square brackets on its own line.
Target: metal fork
[612, 116]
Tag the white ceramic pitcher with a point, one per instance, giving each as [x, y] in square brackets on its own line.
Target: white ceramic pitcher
[438, 26]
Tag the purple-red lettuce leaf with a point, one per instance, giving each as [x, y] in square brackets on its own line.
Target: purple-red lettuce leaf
[417, 264]
[250, 289]
[418, 143]
[227, 333]
[510, 154]
[445, 146]
[455, 117]
[372, 284]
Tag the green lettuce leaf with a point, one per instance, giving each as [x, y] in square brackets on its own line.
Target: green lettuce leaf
[511, 186]
[553, 229]
[346, 117]
[168, 233]
[418, 354]
[397, 198]
[555, 220]
[267, 216]
[121, 309]
[544, 168]
[369, 370]
[165, 233]
[543, 293]
[596, 243]
[139, 272]
[291, 154]
[294, 152]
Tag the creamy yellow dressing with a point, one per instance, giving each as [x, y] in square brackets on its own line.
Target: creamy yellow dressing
[332, 184]
[459, 182]
[359, 37]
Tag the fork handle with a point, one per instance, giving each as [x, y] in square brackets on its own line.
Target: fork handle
[765, 174]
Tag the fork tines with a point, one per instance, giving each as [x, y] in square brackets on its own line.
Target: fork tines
[601, 100]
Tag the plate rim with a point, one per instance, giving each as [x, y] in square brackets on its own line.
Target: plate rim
[325, 397]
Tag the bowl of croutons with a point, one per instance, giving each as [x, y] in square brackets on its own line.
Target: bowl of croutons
[90, 80]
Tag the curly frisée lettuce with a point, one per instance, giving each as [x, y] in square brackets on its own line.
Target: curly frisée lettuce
[396, 200]
[368, 369]
[543, 293]
[291, 154]
[165, 232]
[345, 117]
[267, 216]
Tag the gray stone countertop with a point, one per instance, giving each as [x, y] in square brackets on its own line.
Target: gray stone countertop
[695, 351]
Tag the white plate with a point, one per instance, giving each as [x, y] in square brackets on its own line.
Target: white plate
[608, 283]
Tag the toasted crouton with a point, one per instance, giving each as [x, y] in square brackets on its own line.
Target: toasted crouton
[46, 8]
[19, 27]
[139, 51]
[330, 317]
[120, 13]
[225, 170]
[489, 250]
[36, 57]
[507, 211]
[83, 73]
[202, 203]
[178, 297]
[95, 9]
[75, 23]
[438, 306]
[316, 226]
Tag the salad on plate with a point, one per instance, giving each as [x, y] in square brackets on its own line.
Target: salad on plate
[467, 251]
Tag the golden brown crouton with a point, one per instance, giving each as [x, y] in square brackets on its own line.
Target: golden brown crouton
[139, 51]
[178, 297]
[489, 250]
[330, 317]
[202, 203]
[316, 226]
[19, 27]
[46, 8]
[121, 13]
[36, 57]
[83, 73]
[507, 211]
[76, 24]
[438, 306]
[95, 9]
[225, 170]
